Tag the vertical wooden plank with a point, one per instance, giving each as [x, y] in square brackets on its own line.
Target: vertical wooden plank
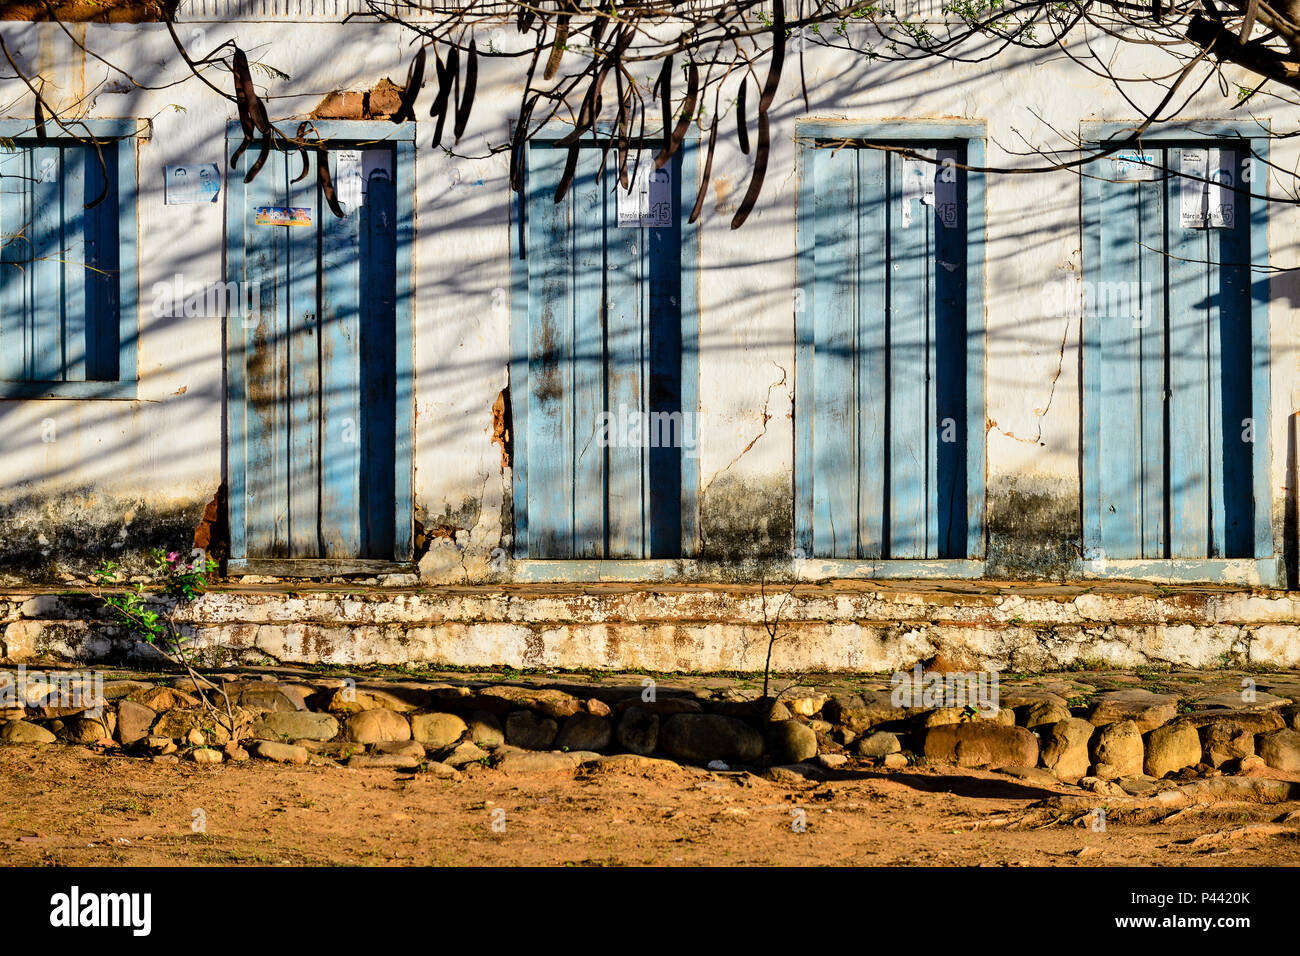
[591, 236]
[1233, 423]
[972, 209]
[1190, 372]
[1151, 336]
[929, 219]
[1091, 338]
[46, 358]
[805, 299]
[949, 504]
[73, 264]
[106, 286]
[403, 498]
[688, 336]
[1258, 281]
[550, 366]
[835, 517]
[385, 381]
[125, 259]
[304, 382]
[266, 368]
[671, 422]
[626, 363]
[15, 263]
[520, 297]
[341, 425]
[871, 276]
[239, 336]
[1119, 387]
[910, 414]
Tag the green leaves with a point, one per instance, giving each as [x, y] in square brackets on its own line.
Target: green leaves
[172, 575]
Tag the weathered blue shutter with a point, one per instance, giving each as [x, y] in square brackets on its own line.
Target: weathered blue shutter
[889, 352]
[59, 302]
[1167, 372]
[320, 367]
[603, 351]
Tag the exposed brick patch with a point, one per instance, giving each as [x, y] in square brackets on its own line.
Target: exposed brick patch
[86, 11]
[379, 102]
[503, 427]
[213, 532]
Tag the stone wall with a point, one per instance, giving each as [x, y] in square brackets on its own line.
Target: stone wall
[830, 627]
[1090, 732]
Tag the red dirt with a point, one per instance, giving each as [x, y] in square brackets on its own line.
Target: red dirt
[71, 806]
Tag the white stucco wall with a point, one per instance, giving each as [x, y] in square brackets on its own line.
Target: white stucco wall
[162, 454]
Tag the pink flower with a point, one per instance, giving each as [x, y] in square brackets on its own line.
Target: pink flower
[173, 557]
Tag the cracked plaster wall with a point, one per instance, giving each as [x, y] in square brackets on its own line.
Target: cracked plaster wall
[166, 448]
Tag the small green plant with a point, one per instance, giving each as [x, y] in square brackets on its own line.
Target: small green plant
[171, 576]
[147, 610]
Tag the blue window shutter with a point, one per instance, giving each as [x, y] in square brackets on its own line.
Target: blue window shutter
[1168, 387]
[891, 361]
[835, 505]
[15, 258]
[59, 272]
[602, 352]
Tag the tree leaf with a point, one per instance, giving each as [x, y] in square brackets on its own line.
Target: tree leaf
[570, 168]
[467, 95]
[414, 82]
[760, 171]
[708, 170]
[742, 122]
[688, 114]
[664, 89]
[263, 155]
[326, 183]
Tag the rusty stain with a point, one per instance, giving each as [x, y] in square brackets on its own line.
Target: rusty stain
[548, 378]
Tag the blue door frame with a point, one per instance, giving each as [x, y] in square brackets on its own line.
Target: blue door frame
[927, 518]
[1171, 491]
[319, 449]
[572, 515]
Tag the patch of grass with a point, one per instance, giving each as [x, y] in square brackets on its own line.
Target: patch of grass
[1149, 672]
[1086, 664]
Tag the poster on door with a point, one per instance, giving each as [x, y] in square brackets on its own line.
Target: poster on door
[186, 185]
[283, 216]
[348, 177]
[918, 186]
[648, 203]
[1206, 199]
[1134, 166]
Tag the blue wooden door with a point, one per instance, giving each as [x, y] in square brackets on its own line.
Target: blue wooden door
[601, 406]
[889, 424]
[1168, 440]
[314, 411]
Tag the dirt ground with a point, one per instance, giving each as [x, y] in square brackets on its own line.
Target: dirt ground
[71, 806]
